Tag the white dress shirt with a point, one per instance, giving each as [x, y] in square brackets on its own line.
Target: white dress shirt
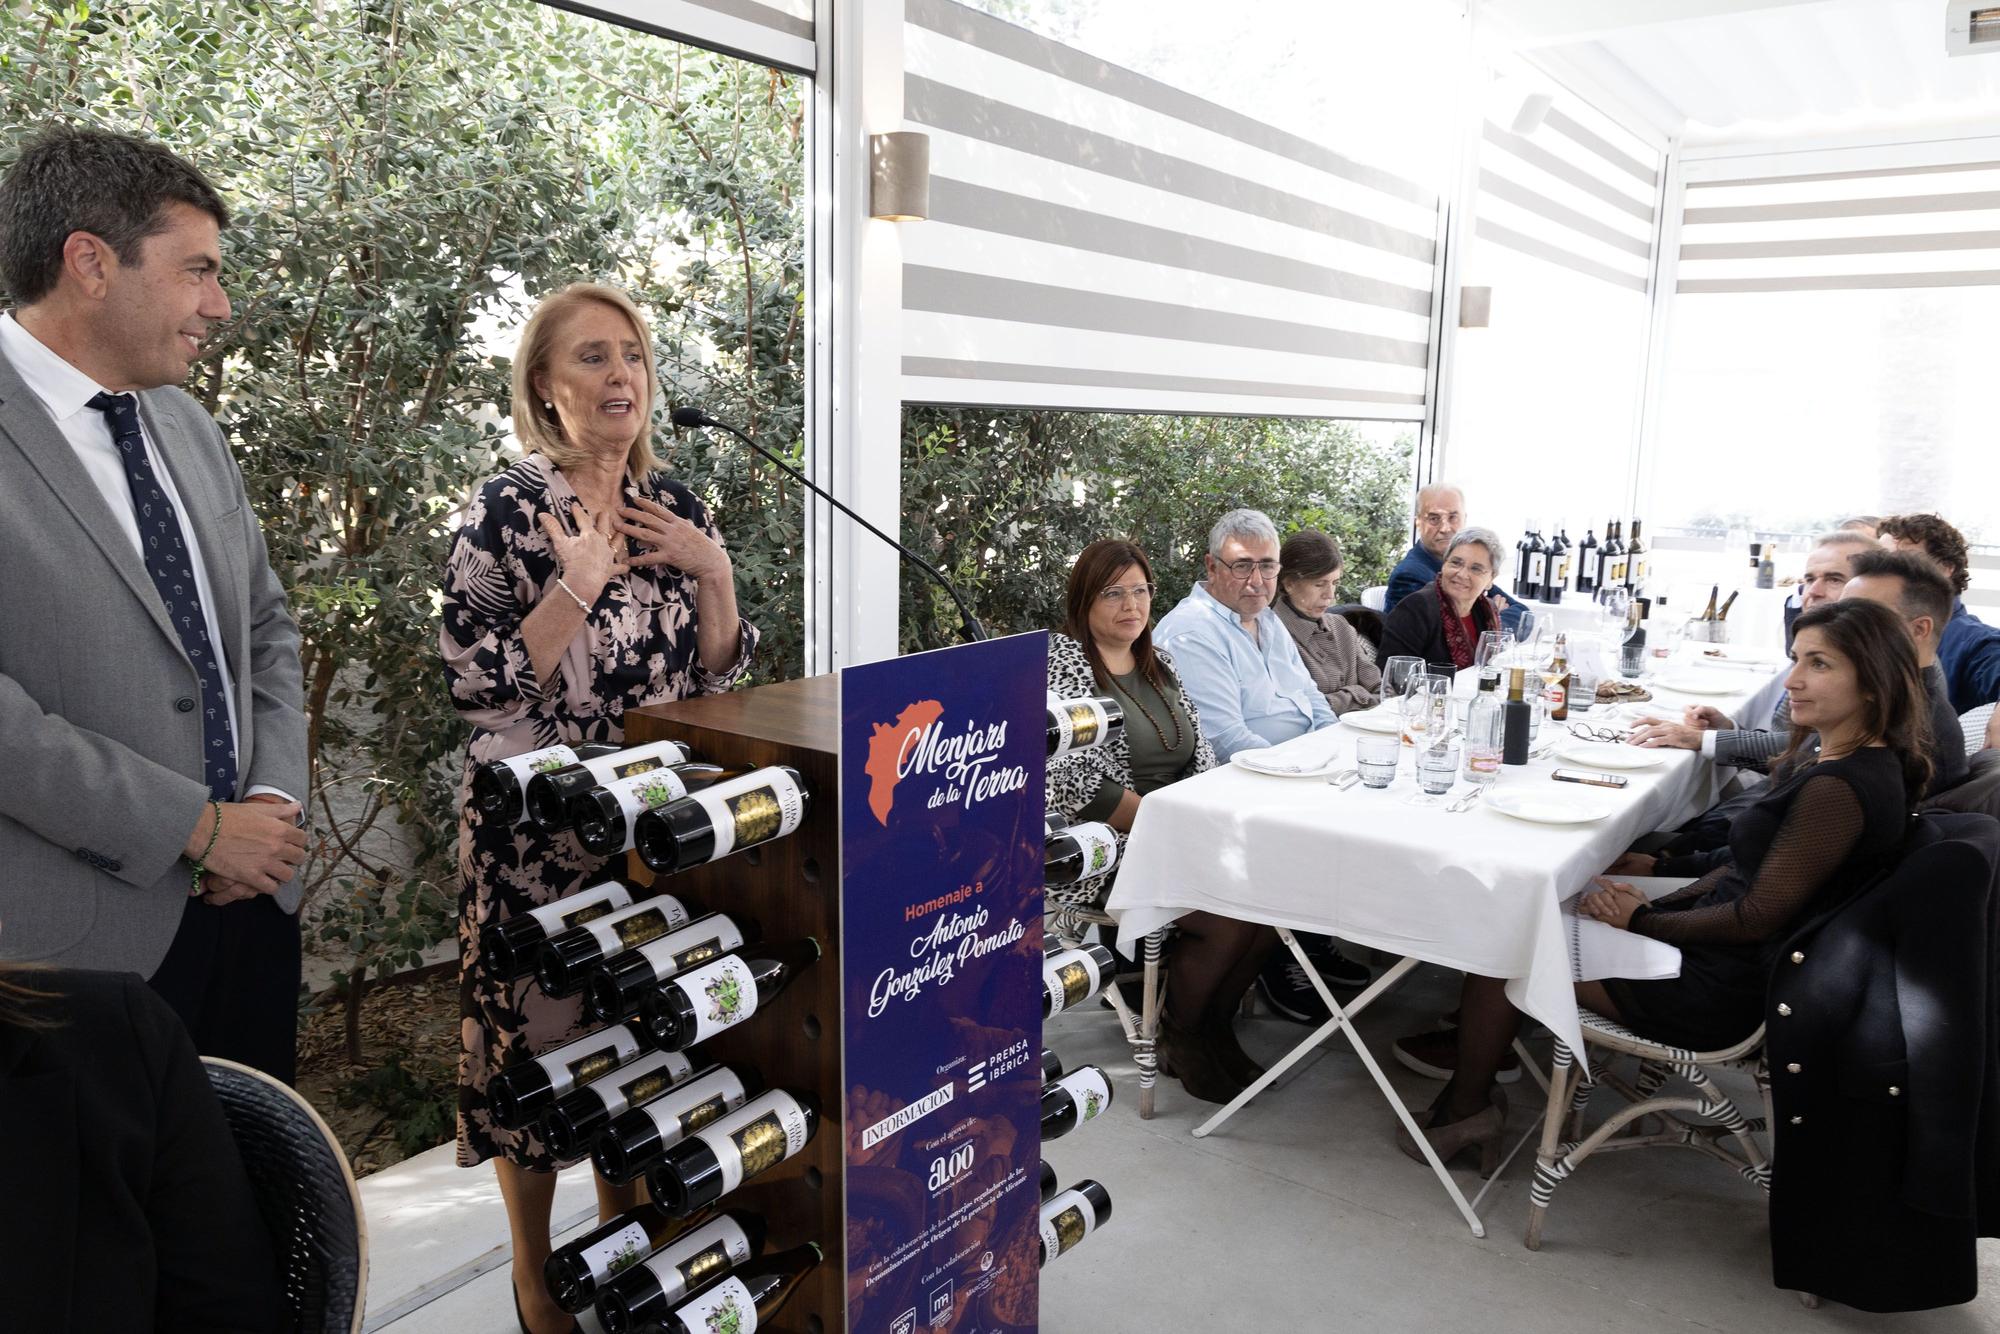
[66, 392]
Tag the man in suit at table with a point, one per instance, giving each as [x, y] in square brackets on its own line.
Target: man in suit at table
[150, 708]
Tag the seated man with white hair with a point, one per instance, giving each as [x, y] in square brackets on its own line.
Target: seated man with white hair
[1243, 671]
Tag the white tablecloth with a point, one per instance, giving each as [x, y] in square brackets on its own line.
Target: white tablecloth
[1479, 891]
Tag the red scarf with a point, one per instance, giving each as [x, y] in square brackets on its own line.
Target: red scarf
[1456, 641]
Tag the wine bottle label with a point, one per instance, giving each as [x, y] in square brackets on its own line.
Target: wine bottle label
[763, 805]
[647, 1077]
[1482, 760]
[586, 906]
[728, 1306]
[644, 792]
[1066, 1220]
[590, 1058]
[723, 994]
[1100, 847]
[634, 926]
[608, 769]
[699, 1256]
[694, 944]
[1070, 978]
[699, 1105]
[616, 1253]
[1538, 566]
[756, 1137]
[524, 767]
[1088, 1088]
[1084, 722]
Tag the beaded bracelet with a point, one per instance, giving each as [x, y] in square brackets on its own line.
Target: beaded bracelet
[573, 597]
[200, 868]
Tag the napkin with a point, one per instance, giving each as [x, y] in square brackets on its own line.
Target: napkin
[1301, 755]
[1599, 950]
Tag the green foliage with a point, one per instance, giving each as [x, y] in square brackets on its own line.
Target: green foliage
[1003, 500]
[408, 178]
[420, 1105]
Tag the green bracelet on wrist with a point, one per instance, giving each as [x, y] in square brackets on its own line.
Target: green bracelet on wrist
[200, 863]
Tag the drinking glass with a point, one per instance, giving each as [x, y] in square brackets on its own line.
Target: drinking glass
[1582, 688]
[1426, 707]
[1376, 757]
[1437, 770]
[1396, 672]
[1613, 604]
[1494, 645]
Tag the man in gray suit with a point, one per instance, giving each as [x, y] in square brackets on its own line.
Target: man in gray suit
[150, 723]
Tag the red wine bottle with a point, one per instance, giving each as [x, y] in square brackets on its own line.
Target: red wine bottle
[549, 794]
[744, 1300]
[636, 1140]
[569, 1127]
[1071, 1216]
[616, 985]
[509, 949]
[577, 1272]
[1079, 852]
[643, 1296]
[1048, 1182]
[718, 996]
[604, 817]
[703, 826]
[753, 1139]
[1083, 722]
[1071, 977]
[523, 1092]
[1079, 1096]
[567, 961]
[1052, 1066]
[500, 787]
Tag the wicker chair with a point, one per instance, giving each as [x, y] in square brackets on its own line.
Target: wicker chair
[1702, 1120]
[1067, 920]
[306, 1193]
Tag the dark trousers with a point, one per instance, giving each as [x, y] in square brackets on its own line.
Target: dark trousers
[232, 974]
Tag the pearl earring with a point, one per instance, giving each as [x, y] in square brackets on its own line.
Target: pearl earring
[550, 406]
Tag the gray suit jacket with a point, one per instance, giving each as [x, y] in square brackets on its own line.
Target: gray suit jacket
[100, 720]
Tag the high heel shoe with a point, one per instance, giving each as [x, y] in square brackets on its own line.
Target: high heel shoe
[1481, 1130]
[1194, 1058]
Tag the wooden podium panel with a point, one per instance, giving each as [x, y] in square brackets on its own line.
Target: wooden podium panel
[790, 887]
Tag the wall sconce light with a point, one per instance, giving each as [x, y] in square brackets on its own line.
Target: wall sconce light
[1534, 109]
[1475, 307]
[899, 174]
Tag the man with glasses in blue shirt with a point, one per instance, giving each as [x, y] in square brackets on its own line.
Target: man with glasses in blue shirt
[1243, 671]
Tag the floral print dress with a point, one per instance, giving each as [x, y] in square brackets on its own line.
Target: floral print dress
[637, 648]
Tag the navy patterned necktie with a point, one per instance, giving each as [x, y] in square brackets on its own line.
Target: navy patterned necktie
[164, 549]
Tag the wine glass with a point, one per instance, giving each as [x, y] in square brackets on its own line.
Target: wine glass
[1396, 672]
[1494, 646]
[1528, 636]
[1613, 604]
[1426, 708]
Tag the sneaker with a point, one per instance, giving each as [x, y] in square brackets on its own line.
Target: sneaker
[1284, 986]
[1435, 1056]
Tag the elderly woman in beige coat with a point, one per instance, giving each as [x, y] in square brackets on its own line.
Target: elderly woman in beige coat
[1341, 662]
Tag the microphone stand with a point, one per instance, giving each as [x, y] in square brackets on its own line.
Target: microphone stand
[972, 630]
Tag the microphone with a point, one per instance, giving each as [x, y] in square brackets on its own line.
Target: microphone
[689, 417]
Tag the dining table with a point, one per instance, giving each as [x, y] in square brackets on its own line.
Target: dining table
[1474, 879]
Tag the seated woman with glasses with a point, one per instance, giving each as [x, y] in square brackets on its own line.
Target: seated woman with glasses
[1826, 823]
[1442, 621]
[1106, 647]
[1341, 662]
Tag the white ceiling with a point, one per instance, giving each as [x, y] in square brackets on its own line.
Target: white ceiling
[1739, 71]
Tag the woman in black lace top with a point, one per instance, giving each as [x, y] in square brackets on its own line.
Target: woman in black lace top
[1826, 827]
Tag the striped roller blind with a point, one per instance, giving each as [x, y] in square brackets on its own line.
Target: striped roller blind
[1580, 193]
[1101, 240]
[1923, 226]
[770, 32]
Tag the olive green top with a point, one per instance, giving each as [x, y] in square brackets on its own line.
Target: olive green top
[1153, 764]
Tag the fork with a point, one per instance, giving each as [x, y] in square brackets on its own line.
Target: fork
[1465, 803]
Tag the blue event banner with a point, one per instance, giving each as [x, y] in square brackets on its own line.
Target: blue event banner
[941, 792]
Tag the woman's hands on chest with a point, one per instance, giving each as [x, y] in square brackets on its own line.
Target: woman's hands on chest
[665, 538]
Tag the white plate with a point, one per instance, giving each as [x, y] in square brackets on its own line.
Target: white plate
[1744, 661]
[1610, 755]
[1383, 721]
[1331, 767]
[1545, 807]
[1700, 684]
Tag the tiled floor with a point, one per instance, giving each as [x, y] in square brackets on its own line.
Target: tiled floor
[1298, 1216]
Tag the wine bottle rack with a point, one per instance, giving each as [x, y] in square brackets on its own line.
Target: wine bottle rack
[791, 887]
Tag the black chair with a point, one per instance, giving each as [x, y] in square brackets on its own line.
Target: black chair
[1367, 622]
[307, 1194]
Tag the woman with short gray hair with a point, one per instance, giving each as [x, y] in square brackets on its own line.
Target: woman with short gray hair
[1442, 621]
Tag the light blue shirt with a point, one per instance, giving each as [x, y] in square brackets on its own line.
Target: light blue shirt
[1251, 692]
